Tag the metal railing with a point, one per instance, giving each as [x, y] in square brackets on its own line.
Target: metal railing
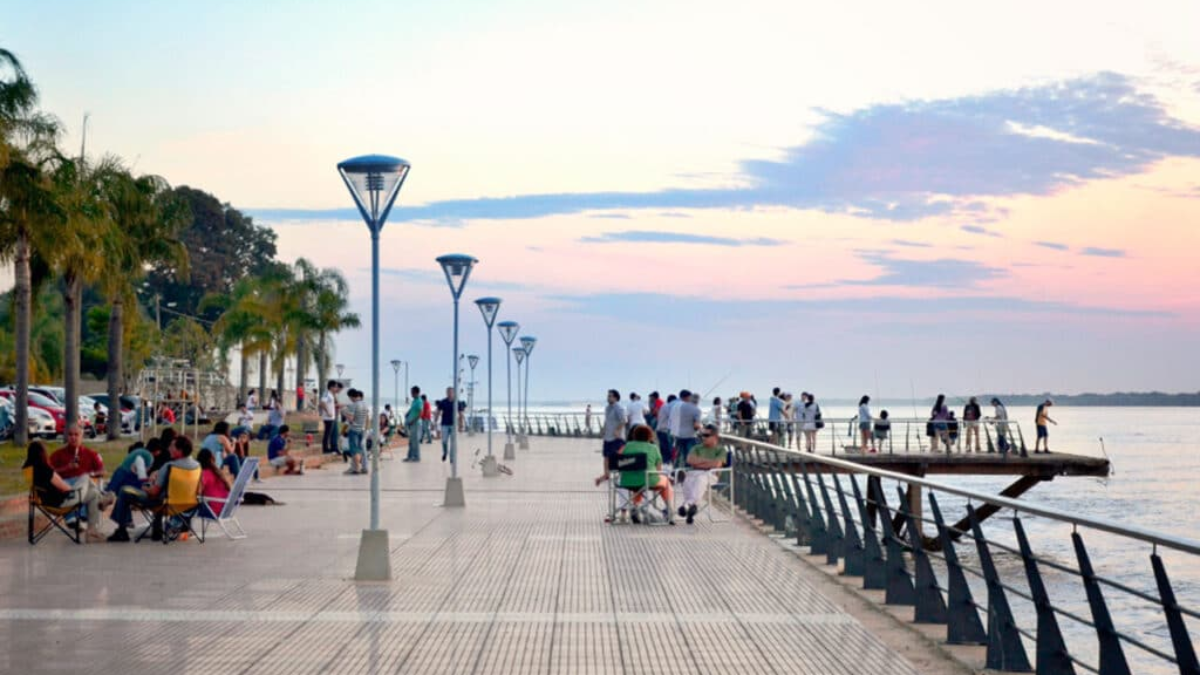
[906, 435]
[819, 500]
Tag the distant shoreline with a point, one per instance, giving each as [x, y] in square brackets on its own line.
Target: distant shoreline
[1115, 400]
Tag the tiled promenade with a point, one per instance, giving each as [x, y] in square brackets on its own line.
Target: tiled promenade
[526, 579]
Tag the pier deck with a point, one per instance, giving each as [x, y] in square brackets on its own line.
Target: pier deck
[526, 579]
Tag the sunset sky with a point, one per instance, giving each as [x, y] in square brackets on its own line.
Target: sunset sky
[839, 197]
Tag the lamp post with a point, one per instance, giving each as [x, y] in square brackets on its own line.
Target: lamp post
[519, 354]
[489, 307]
[457, 268]
[472, 361]
[508, 333]
[527, 343]
[396, 363]
[374, 181]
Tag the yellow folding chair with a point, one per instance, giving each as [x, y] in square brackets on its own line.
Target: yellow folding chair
[181, 503]
[56, 516]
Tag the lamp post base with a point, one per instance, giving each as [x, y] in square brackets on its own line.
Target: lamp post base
[454, 493]
[491, 468]
[510, 451]
[523, 441]
[374, 559]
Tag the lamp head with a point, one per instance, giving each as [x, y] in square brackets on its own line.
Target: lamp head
[473, 360]
[508, 331]
[489, 307]
[458, 269]
[519, 353]
[396, 364]
[374, 181]
[528, 342]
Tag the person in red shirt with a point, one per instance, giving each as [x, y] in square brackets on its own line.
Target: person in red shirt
[426, 421]
[75, 460]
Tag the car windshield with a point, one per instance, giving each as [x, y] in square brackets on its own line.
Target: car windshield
[37, 399]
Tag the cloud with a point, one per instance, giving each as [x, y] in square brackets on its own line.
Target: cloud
[943, 273]
[648, 237]
[902, 161]
[1052, 245]
[613, 216]
[979, 229]
[911, 244]
[1103, 252]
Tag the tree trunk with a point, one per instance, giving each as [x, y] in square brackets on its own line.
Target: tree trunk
[301, 348]
[262, 378]
[244, 377]
[72, 301]
[22, 288]
[279, 388]
[322, 364]
[116, 344]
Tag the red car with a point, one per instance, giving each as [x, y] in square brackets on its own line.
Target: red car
[37, 400]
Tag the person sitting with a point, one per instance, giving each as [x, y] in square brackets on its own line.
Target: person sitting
[166, 415]
[642, 443]
[135, 472]
[180, 451]
[55, 491]
[100, 419]
[709, 455]
[76, 462]
[214, 484]
[883, 429]
[279, 453]
[274, 421]
[245, 420]
[220, 445]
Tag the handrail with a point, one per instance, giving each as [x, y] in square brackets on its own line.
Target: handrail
[1191, 546]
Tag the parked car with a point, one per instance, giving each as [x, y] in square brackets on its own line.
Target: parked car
[56, 394]
[129, 404]
[41, 424]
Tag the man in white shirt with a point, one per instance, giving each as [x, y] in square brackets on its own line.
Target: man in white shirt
[328, 410]
[636, 410]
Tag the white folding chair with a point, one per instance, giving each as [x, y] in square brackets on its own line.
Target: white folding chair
[227, 518]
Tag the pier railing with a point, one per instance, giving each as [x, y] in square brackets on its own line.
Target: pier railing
[1032, 607]
[906, 435]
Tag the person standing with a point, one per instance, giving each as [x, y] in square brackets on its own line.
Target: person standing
[971, 416]
[864, 424]
[426, 420]
[663, 429]
[615, 417]
[1043, 431]
[300, 397]
[810, 420]
[939, 415]
[745, 414]
[689, 421]
[789, 418]
[356, 415]
[252, 400]
[412, 422]
[328, 410]
[445, 412]
[635, 412]
[1000, 419]
[775, 415]
[587, 419]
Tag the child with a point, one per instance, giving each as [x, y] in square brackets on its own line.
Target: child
[952, 427]
[883, 428]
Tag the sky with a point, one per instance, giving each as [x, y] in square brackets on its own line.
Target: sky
[867, 198]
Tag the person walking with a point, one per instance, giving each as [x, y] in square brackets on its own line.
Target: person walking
[1043, 431]
[412, 422]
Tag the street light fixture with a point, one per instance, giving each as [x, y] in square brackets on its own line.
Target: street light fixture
[374, 181]
[472, 361]
[396, 363]
[457, 268]
[508, 333]
[527, 342]
[519, 354]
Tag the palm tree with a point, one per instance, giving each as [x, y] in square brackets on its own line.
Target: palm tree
[26, 204]
[148, 222]
[332, 315]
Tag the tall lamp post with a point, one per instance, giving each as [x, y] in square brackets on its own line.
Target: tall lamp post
[522, 439]
[489, 308]
[457, 268]
[527, 342]
[374, 181]
[472, 361]
[396, 363]
[508, 333]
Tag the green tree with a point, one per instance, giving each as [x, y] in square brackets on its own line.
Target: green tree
[27, 204]
[332, 314]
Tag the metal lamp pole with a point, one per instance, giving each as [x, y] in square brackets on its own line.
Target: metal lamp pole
[457, 268]
[374, 181]
[522, 438]
[489, 308]
[508, 333]
[472, 361]
[396, 369]
[527, 342]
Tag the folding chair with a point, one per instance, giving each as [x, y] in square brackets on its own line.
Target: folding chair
[721, 482]
[633, 475]
[56, 516]
[181, 504]
[227, 518]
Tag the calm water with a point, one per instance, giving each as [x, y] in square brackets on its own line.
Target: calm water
[1155, 453]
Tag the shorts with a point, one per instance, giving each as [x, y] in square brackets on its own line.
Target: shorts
[279, 462]
[1043, 431]
[612, 448]
[941, 426]
[864, 426]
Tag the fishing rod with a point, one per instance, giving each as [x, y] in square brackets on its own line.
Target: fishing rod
[714, 387]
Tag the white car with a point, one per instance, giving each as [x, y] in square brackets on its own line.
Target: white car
[41, 424]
